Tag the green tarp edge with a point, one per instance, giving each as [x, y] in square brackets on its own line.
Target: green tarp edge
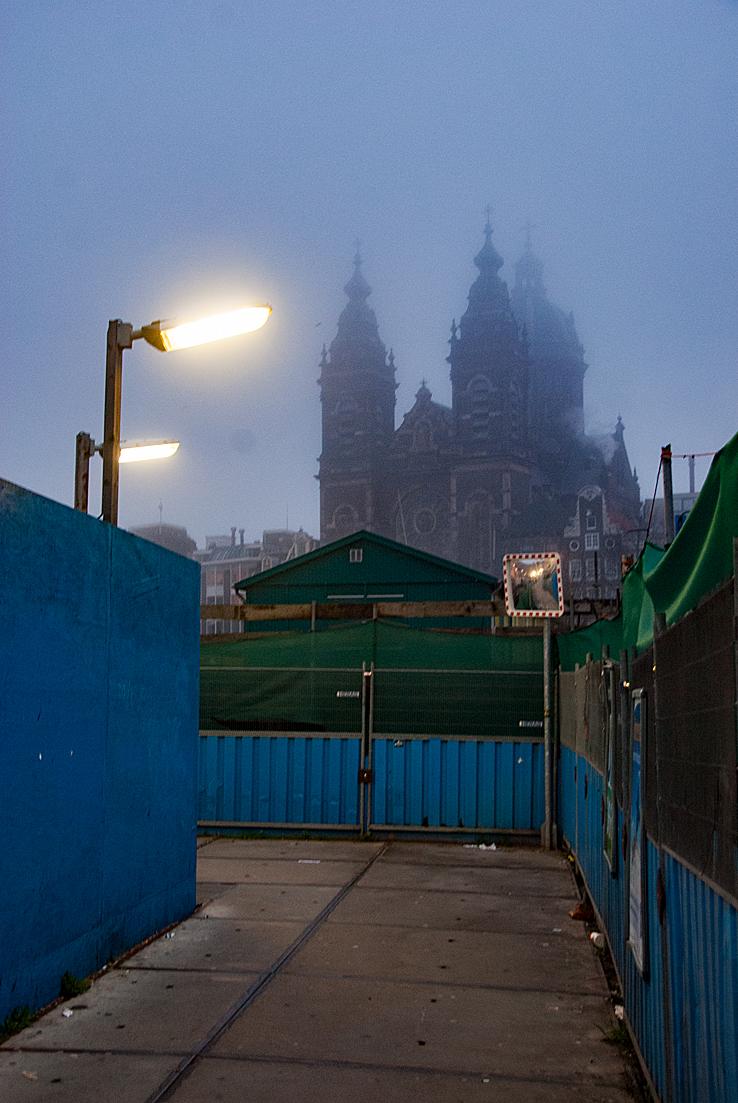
[633, 628]
[701, 557]
[674, 581]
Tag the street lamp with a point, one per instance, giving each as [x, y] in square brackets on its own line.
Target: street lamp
[167, 337]
[147, 450]
[86, 448]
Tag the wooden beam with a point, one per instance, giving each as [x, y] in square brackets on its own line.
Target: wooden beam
[355, 610]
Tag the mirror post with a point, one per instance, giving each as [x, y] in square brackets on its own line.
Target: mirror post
[548, 758]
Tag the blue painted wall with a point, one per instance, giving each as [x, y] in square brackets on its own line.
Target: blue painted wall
[99, 670]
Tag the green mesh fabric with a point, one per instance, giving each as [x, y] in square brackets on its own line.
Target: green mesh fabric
[427, 682]
[385, 645]
[573, 647]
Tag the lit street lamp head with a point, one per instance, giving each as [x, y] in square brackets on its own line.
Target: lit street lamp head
[128, 453]
[170, 337]
[147, 450]
[167, 338]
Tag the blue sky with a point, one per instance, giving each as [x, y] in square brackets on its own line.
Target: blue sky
[168, 158]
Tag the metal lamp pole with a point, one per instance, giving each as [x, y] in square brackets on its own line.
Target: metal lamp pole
[120, 337]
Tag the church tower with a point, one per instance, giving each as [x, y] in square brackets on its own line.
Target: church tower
[489, 382]
[357, 385]
[557, 364]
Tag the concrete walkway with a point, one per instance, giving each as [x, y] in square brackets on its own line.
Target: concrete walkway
[321, 971]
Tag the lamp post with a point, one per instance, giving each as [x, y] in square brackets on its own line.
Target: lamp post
[167, 337]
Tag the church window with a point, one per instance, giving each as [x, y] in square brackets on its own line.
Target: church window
[346, 410]
[356, 555]
[479, 404]
[591, 541]
[424, 521]
[344, 517]
[575, 570]
[423, 437]
[591, 520]
[573, 545]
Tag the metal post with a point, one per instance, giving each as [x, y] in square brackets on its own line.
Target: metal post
[120, 336]
[85, 449]
[691, 474]
[365, 769]
[668, 495]
[547, 739]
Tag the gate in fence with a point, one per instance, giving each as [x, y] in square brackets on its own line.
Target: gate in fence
[361, 750]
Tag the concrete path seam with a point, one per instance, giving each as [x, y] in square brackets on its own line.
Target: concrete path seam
[169, 1085]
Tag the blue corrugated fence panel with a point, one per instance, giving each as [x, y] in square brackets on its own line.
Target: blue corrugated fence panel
[701, 928]
[462, 783]
[280, 779]
[644, 996]
[703, 947]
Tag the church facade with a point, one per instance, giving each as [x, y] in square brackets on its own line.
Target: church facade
[507, 467]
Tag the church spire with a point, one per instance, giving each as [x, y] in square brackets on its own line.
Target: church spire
[489, 302]
[529, 269]
[357, 289]
[555, 354]
[489, 379]
[488, 260]
[357, 385]
[357, 322]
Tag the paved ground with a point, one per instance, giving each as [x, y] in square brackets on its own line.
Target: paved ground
[321, 971]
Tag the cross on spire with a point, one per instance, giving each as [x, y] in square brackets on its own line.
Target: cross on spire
[528, 227]
[488, 223]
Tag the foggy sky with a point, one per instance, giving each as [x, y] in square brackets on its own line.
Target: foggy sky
[162, 159]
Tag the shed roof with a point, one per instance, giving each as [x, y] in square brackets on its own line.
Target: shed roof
[409, 561]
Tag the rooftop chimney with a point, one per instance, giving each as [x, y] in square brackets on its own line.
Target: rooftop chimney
[233, 536]
[240, 533]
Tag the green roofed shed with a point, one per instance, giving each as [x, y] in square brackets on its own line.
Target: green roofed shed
[365, 567]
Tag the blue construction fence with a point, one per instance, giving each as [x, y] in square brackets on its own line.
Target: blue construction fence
[647, 804]
[367, 749]
[99, 653]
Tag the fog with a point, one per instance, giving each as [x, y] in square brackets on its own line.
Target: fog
[165, 159]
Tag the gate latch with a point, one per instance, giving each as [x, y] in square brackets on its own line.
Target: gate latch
[366, 777]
